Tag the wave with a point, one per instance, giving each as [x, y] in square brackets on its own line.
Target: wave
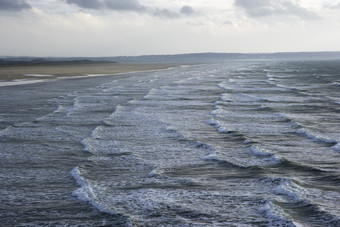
[156, 172]
[152, 92]
[272, 81]
[7, 132]
[335, 145]
[109, 120]
[87, 191]
[225, 85]
[302, 167]
[172, 131]
[287, 188]
[201, 145]
[260, 152]
[217, 124]
[215, 158]
[96, 146]
[218, 110]
[275, 215]
[303, 199]
[268, 158]
[244, 160]
[240, 98]
[253, 125]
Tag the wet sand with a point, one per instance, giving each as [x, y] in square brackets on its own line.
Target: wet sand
[8, 73]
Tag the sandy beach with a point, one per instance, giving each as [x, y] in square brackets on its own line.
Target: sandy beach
[9, 73]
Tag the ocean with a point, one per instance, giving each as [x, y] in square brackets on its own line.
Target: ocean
[237, 143]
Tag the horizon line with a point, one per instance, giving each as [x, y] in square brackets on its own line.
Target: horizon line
[187, 53]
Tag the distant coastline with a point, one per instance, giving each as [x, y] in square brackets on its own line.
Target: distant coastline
[28, 68]
[188, 57]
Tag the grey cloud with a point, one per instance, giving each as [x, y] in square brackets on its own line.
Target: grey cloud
[164, 13]
[263, 8]
[130, 5]
[14, 5]
[187, 10]
[119, 5]
[87, 4]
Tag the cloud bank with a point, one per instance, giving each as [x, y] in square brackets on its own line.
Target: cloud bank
[119, 5]
[137, 27]
[263, 8]
[131, 5]
[14, 5]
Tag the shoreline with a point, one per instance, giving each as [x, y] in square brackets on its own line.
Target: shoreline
[44, 73]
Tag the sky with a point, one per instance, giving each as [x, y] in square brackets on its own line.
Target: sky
[64, 28]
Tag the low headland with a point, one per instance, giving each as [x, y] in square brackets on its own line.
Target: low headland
[49, 69]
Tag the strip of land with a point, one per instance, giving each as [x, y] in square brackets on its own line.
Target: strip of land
[15, 72]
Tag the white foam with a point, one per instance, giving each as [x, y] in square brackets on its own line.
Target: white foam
[96, 75]
[19, 82]
[39, 75]
[90, 75]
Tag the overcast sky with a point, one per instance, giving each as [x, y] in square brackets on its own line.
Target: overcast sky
[138, 27]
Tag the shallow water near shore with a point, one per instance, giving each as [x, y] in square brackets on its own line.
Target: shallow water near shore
[237, 143]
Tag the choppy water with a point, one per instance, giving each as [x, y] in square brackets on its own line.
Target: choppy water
[229, 144]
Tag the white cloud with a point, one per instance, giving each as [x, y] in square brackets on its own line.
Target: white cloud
[263, 8]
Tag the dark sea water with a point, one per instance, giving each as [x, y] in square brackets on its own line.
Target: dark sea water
[228, 144]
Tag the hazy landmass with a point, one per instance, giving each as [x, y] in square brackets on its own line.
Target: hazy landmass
[208, 57]
[190, 57]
